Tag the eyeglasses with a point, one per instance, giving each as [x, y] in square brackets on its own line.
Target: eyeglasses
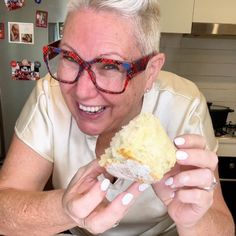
[108, 75]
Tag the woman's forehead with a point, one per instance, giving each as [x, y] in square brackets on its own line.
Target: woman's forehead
[99, 22]
[101, 32]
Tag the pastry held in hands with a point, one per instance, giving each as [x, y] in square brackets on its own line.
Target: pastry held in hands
[140, 151]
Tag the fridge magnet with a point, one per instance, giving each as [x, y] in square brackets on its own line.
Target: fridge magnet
[14, 4]
[21, 32]
[41, 19]
[2, 33]
[25, 70]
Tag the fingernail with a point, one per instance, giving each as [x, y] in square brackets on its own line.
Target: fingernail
[169, 181]
[143, 187]
[105, 185]
[180, 155]
[179, 141]
[127, 199]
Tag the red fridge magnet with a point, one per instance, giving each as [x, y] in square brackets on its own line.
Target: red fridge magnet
[41, 19]
[14, 4]
[2, 33]
[25, 70]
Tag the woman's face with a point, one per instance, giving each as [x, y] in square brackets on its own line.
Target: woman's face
[101, 34]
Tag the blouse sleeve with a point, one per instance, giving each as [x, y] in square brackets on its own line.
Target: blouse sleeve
[34, 126]
[198, 121]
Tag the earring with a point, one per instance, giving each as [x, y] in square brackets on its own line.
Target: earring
[147, 90]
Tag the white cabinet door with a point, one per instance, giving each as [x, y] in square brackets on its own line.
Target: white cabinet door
[176, 15]
[215, 11]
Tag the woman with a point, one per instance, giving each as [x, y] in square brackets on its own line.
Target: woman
[107, 64]
[15, 33]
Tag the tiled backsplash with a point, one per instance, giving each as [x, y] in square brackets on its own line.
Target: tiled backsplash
[209, 62]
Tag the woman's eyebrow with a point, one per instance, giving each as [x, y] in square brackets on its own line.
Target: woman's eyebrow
[67, 46]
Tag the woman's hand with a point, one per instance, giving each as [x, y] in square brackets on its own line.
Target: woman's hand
[84, 200]
[187, 190]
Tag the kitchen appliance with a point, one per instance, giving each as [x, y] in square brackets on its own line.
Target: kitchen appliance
[227, 164]
[213, 29]
[219, 115]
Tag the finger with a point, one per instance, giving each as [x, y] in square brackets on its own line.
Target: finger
[115, 211]
[93, 169]
[85, 178]
[194, 202]
[82, 205]
[198, 197]
[163, 189]
[197, 157]
[165, 193]
[190, 141]
[199, 178]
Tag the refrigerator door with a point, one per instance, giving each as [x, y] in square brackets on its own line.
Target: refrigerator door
[2, 138]
[15, 92]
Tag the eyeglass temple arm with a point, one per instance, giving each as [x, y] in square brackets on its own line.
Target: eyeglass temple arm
[54, 44]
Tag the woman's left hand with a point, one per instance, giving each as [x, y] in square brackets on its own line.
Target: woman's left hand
[187, 190]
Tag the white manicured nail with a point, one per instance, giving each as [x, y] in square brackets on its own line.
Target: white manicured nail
[105, 185]
[180, 155]
[127, 199]
[179, 141]
[169, 181]
[143, 187]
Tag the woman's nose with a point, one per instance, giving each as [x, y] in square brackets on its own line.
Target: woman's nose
[85, 85]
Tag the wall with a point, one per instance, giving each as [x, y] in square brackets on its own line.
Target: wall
[209, 62]
[14, 93]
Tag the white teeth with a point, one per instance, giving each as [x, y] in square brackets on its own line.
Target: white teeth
[90, 109]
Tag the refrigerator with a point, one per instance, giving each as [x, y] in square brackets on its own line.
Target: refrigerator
[13, 93]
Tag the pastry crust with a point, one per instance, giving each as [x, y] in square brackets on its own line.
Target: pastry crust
[140, 151]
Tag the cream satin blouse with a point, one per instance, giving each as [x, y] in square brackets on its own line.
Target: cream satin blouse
[46, 125]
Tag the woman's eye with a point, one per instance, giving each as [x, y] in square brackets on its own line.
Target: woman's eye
[111, 67]
[68, 58]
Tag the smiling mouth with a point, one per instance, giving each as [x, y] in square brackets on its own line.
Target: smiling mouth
[91, 109]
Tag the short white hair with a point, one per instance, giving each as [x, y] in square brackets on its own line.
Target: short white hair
[145, 15]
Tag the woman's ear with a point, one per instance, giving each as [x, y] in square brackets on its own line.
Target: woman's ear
[153, 68]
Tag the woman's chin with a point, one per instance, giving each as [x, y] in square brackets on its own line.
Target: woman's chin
[90, 130]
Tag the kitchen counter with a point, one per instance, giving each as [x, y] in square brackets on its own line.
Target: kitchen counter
[227, 146]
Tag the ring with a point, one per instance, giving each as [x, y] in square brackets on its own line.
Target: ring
[116, 224]
[212, 186]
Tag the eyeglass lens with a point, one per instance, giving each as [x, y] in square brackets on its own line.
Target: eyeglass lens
[108, 74]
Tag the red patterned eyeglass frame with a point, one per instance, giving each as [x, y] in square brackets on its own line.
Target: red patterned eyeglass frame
[132, 68]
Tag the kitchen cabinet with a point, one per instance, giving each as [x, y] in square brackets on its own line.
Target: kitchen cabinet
[176, 15]
[215, 11]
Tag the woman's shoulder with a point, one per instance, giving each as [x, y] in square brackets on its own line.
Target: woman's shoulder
[46, 83]
[177, 85]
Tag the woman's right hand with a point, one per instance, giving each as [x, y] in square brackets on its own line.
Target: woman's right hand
[85, 202]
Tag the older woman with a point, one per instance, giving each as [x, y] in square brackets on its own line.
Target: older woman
[107, 65]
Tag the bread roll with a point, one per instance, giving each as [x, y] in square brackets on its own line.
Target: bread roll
[140, 151]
